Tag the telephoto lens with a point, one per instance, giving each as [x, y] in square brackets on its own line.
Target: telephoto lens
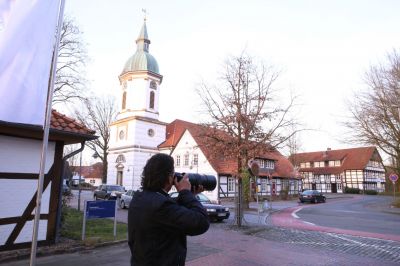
[209, 182]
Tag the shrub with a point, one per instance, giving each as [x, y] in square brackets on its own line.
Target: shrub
[371, 192]
[351, 190]
[284, 194]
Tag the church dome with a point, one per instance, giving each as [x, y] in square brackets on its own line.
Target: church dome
[141, 60]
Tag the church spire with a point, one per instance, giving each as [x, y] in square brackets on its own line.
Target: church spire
[143, 41]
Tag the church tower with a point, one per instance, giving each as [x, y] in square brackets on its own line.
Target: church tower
[137, 132]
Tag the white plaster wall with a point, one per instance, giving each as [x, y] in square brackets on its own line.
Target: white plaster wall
[5, 231]
[138, 133]
[19, 155]
[12, 205]
[27, 230]
[187, 144]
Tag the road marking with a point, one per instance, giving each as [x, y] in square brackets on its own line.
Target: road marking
[308, 223]
[294, 213]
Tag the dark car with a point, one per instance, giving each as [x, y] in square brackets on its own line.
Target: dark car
[215, 212]
[312, 196]
[108, 192]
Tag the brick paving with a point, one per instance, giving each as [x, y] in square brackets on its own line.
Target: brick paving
[363, 246]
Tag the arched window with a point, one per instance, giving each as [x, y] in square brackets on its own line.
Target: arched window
[124, 100]
[152, 100]
[120, 159]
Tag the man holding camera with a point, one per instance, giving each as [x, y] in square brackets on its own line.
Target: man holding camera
[157, 224]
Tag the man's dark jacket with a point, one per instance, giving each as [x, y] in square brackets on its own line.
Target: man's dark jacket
[158, 226]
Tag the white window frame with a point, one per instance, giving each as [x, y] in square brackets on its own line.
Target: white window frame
[230, 186]
[186, 160]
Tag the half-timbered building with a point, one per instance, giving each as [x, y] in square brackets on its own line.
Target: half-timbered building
[20, 152]
[333, 170]
[187, 145]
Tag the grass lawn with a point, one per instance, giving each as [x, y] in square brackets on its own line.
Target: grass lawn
[101, 229]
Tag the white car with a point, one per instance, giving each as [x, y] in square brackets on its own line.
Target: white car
[126, 199]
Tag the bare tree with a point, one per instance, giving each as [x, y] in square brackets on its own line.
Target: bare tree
[72, 57]
[375, 111]
[245, 118]
[98, 114]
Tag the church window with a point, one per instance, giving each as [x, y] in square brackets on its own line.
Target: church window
[150, 132]
[124, 100]
[178, 160]
[120, 159]
[152, 100]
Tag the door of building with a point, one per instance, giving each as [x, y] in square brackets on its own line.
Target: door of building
[119, 178]
[314, 186]
[334, 187]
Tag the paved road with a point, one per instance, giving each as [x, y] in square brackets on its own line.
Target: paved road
[252, 246]
[362, 213]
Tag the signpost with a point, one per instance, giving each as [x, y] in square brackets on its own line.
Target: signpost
[394, 178]
[100, 209]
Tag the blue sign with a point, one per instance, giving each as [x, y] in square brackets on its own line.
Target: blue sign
[100, 209]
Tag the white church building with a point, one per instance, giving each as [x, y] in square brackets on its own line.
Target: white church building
[137, 134]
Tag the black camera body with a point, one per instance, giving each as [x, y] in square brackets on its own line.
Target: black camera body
[209, 182]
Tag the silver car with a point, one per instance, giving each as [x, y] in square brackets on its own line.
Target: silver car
[126, 199]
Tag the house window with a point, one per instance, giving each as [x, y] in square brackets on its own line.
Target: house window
[337, 163]
[231, 184]
[319, 164]
[152, 100]
[195, 159]
[178, 160]
[263, 185]
[186, 160]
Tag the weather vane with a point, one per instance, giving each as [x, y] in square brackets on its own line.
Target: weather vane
[145, 13]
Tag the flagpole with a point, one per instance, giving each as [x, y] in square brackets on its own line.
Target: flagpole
[46, 135]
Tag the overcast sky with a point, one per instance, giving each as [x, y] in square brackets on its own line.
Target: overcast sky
[322, 47]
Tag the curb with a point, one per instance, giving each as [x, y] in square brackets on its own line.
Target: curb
[63, 248]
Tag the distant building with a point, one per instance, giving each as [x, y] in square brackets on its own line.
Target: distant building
[333, 170]
[89, 174]
[185, 143]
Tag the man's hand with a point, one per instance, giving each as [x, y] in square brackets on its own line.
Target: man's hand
[198, 189]
[183, 184]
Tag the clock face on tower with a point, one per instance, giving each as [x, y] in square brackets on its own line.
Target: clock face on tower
[153, 85]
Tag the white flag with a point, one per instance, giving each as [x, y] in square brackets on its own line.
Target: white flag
[27, 38]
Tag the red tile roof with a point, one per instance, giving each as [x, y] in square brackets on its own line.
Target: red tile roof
[351, 159]
[222, 164]
[65, 123]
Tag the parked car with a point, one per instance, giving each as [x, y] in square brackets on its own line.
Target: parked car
[66, 189]
[108, 192]
[126, 199]
[312, 196]
[216, 212]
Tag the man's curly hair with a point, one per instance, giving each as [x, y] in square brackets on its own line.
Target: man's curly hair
[156, 172]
